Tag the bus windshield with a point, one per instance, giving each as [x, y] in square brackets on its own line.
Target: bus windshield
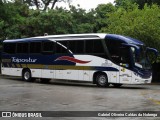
[140, 59]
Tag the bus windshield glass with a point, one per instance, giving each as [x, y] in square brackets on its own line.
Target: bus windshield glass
[140, 59]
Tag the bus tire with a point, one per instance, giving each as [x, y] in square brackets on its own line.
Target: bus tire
[102, 80]
[44, 80]
[26, 75]
[117, 85]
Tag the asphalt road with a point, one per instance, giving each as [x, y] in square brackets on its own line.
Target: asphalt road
[17, 95]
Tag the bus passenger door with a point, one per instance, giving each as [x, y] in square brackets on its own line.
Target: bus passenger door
[125, 63]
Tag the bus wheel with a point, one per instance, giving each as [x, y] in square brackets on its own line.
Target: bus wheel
[102, 80]
[26, 76]
[44, 80]
[117, 85]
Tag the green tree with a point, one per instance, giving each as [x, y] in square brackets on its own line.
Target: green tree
[102, 13]
[12, 19]
[142, 3]
[58, 21]
[141, 24]
[44, 4]
[83, 22]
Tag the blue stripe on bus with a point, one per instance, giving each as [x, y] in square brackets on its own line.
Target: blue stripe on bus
[105, 69]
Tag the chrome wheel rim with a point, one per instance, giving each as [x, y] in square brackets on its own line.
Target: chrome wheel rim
[102, 80]
[26, 75]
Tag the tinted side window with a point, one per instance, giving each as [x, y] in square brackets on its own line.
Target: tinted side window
[22, 47]
[113, 46]
[97, 46]
[73, 46]
[61, 49]
[35, 47]
[65, 43]
[89, 46]
[94, 46]
[76, 46]
[9, 48]
[80, 46]
[48, 47]
[118, 52]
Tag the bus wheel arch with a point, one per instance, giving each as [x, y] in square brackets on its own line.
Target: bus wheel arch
[101, 79]
[27, 75]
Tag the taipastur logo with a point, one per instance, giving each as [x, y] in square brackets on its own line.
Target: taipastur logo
[29, 60]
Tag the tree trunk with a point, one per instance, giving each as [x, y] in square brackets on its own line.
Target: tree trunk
[54, 2]
[46, 4]
[36, 3]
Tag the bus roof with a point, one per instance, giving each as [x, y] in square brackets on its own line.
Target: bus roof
[127, 39]
[79, 37]
[61, 37]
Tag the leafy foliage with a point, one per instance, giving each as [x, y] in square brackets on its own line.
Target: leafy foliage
[140, 3]
[141, 24]
[126, 17]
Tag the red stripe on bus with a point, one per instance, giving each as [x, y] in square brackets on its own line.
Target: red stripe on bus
[72, 59]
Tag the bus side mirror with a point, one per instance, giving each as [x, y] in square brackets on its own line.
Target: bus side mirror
[155, 51]
[151, 54]
[137, 49]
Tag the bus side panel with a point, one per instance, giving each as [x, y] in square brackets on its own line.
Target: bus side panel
[5, 71]
[113, 77]
[11, 71]
[47, 73]
[36, 73]
[67, 74]
[71, 74]
[59, 74]
[86, 75]
[16, 71]
[80, 75]
[125, 75]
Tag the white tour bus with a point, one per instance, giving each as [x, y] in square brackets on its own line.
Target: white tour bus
[100, 58]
